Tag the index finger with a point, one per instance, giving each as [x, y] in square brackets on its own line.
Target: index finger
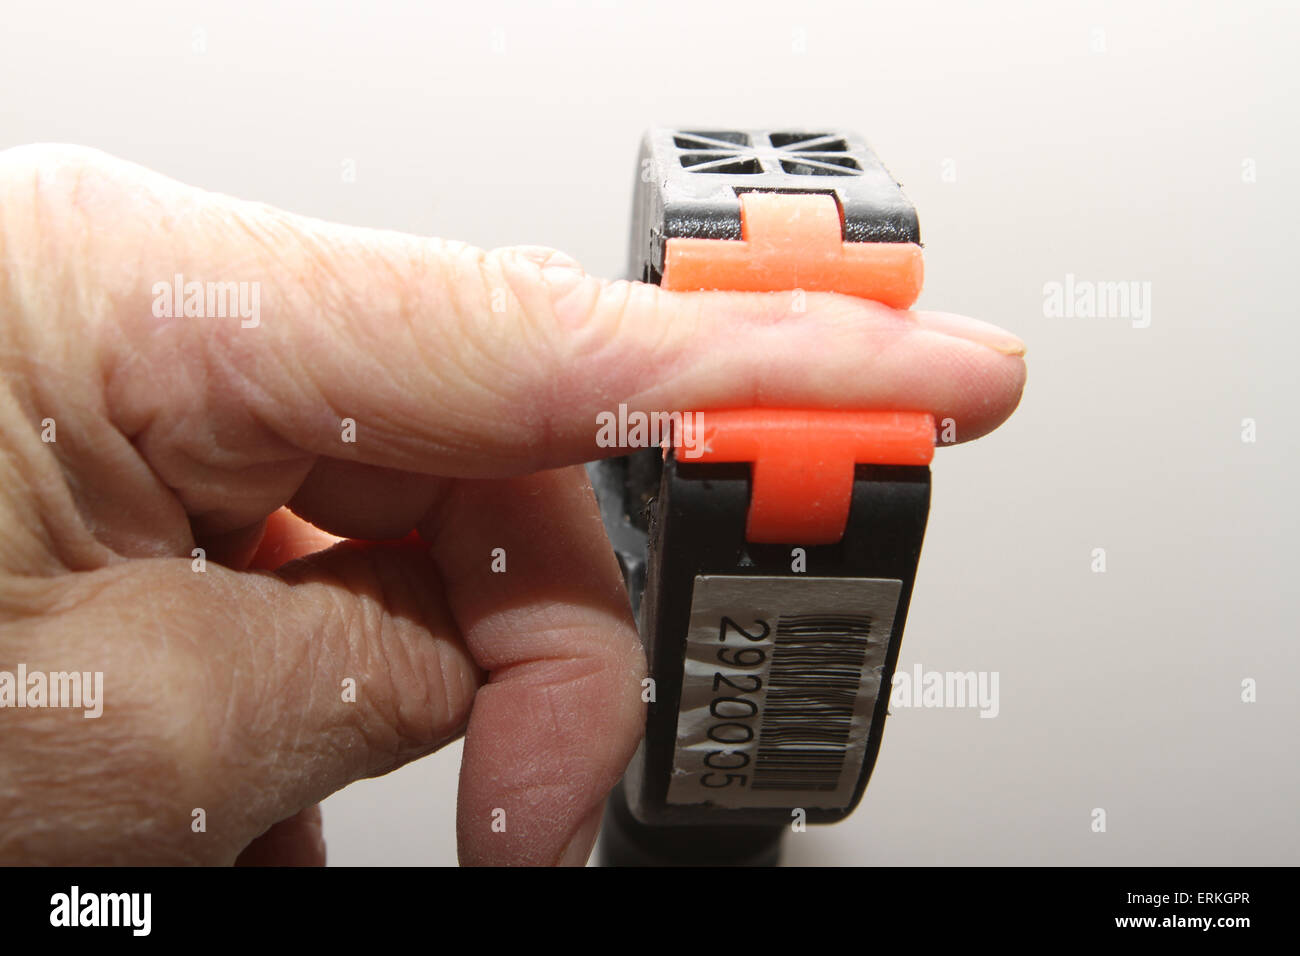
[447, 359]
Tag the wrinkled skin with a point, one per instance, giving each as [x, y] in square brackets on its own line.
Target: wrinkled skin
[473, 380]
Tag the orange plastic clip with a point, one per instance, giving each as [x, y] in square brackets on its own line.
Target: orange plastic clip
[795, 241]
[802, 477]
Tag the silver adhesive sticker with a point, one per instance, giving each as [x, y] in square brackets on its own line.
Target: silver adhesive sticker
[778, 689]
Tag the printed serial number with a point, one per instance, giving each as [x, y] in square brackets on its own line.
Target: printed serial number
[737, 716]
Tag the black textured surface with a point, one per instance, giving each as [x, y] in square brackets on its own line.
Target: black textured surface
[688, 185]
[624, 488]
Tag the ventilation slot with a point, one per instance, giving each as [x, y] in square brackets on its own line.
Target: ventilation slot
[735, 164]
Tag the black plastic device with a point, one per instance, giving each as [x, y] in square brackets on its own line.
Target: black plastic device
[801, 639]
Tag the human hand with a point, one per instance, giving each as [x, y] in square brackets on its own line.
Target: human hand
[472, 381]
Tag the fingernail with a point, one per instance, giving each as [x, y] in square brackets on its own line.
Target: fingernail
[972, 330]
[584, 838]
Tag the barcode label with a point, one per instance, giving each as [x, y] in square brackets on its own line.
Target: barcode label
[812, 692]
[779, 685]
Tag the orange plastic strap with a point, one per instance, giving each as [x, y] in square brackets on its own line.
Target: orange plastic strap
[795, 241]
[802, 475]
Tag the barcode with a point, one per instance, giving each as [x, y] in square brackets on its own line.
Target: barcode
[812, 688]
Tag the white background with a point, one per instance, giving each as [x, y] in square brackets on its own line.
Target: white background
[518, 123]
